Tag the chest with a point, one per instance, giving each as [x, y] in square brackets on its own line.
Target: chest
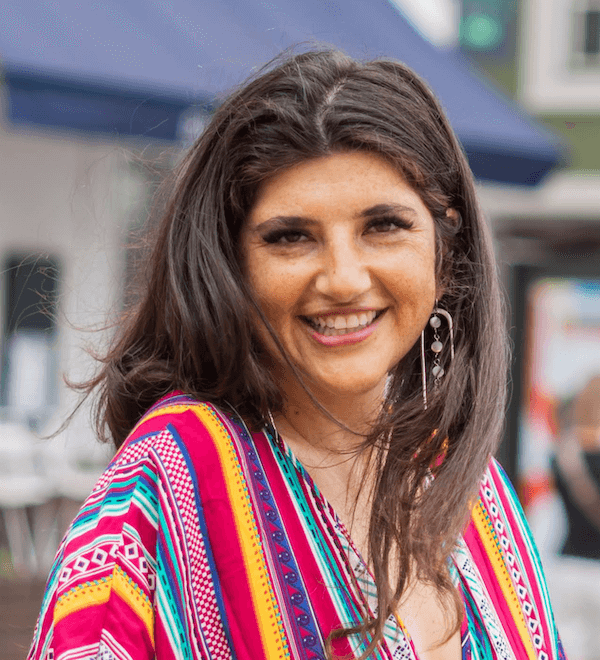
[427, 621]
[313, 585]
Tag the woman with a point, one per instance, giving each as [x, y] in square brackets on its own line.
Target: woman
[306, 399]
[573, 571]
[576, 470]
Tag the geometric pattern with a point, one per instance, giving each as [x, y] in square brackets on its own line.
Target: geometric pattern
[513, 564]
[140, 548]
[398, 642]
[304, 640]
[180, 497]
[474, 583]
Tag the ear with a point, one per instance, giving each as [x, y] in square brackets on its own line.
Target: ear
[454, 216]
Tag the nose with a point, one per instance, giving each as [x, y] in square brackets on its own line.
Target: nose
[345, 272]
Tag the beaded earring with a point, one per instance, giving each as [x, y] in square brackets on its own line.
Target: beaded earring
[437, 347]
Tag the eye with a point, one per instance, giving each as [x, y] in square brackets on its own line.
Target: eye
[285, 236]
[388, 224]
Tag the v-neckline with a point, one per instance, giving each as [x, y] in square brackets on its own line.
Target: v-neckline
[405, 642]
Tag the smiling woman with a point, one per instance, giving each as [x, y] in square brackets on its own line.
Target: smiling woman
[306, 398]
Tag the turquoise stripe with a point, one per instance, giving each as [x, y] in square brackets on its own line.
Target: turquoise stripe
[116, 502]
[546, 616]
[347, 611]
[170, 593]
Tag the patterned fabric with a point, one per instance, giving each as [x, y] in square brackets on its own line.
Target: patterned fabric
[202, 541]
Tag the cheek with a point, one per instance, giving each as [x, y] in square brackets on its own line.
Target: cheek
[272, 287]
[278, 287]
[414, 290]
[412, 277]
[276, 296]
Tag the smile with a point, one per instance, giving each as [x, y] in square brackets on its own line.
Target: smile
[337, 330]
[335, 326]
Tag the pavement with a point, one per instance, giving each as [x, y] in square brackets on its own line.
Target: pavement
[21, 596]
[20, 602]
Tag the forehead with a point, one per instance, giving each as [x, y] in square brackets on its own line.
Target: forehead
[351, 181]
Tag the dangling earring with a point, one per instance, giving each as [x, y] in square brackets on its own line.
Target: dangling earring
[437, 346]
[423, 370]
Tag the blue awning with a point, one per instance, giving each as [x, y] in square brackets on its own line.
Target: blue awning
[139, 67]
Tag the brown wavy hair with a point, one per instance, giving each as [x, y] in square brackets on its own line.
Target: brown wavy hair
[191, 325]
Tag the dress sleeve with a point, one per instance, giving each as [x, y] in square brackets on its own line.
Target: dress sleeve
[525, 579]
[101, 590]
[131, 580]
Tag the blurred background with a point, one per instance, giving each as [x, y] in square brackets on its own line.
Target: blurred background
[97, 102]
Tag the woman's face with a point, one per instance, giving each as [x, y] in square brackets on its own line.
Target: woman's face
[340, 253]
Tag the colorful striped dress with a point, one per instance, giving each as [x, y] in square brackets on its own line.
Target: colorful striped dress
[202, 540]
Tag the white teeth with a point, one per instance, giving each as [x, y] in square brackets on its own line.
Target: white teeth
[341, 325]
[352, 321]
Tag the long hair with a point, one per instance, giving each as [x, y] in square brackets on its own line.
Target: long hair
[192, 326]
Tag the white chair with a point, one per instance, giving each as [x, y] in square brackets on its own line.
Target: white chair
[22, 485]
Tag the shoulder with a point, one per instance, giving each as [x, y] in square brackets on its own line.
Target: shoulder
[179, 425]
[176, 447]
[136, 536]
[496, 481]
[499, 517]
[176, 410]
[498, 498]
[506, 557]
[155, 459]
[190, 447]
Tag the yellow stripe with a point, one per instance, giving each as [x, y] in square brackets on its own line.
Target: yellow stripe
[137, 600]
[266, 609]
[265, 606]
[98, 593]
[488, 537]
[82, 596]
[169, 410]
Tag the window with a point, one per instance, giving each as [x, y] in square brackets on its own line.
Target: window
[28, 389]
[592, 37]
[586, 32]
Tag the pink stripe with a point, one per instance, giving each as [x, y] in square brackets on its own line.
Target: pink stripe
[523, 557]
[481, 561]
[326, 614]
[115, 617]
[223, 536]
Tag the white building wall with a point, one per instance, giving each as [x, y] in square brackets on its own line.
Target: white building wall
[554, 79]
[69, 198]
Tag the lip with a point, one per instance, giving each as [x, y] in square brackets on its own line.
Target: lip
[349, 338]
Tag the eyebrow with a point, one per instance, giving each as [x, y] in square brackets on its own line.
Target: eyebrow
[284, 222]
[386, 209]
[293, 221]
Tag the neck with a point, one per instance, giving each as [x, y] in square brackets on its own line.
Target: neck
[330, 449]
[329, 437]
